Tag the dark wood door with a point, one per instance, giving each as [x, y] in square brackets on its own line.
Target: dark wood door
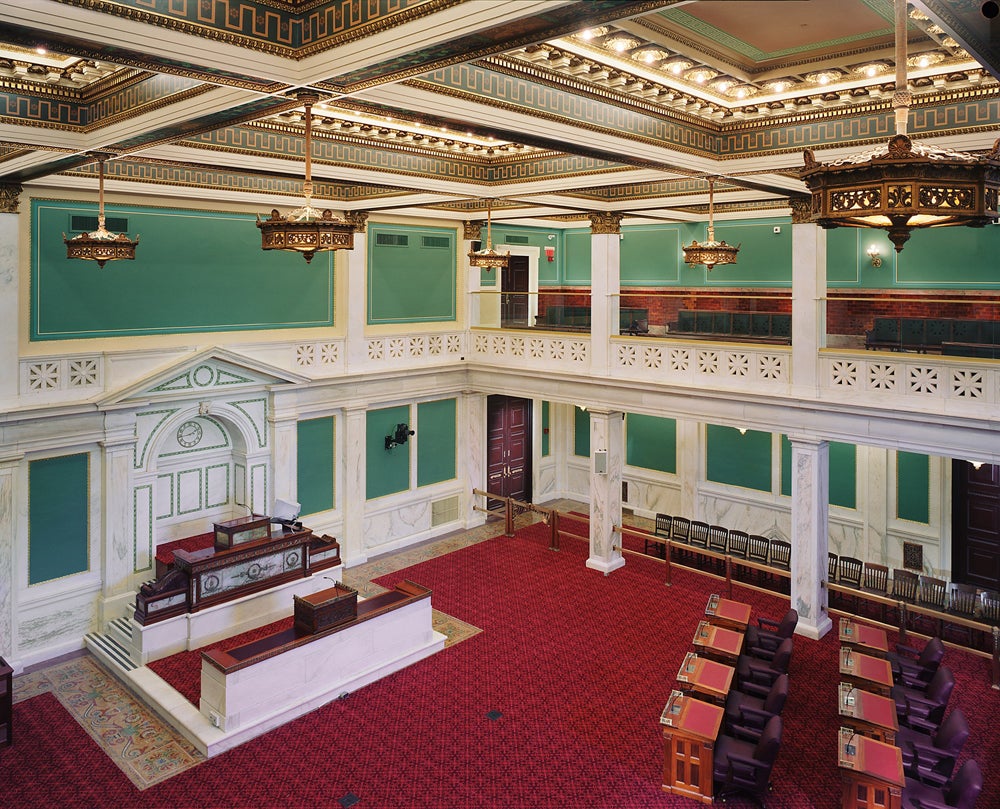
[976, 525]
[514, 292]
[508, 447]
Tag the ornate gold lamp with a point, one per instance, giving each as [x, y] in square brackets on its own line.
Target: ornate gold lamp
[306, 230]
[488, 258]
[100, 245]
[904, 185]
[710, 252]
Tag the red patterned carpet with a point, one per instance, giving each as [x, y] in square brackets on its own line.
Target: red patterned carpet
[578, 666]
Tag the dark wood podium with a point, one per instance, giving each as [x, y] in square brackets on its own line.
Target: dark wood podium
[690, 729]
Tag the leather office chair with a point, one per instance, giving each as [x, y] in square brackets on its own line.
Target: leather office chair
[915, 668]
[742, 766]
[755, 676]
[961, 793]
[768, 634]
[747, 715]
[923, 708]
[931, 757]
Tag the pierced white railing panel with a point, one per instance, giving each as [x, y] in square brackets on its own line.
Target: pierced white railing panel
[556, 352]
[59, 376]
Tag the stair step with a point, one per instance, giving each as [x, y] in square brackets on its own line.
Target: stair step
[110, 650]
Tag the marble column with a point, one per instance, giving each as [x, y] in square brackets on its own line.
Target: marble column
[607, 459]
[808, 300]
[9, 466]
[9, 281]
[605, 284]
[688, 466]
[124, 558]
[472, 428]
[284, 420]
[353, 469]
[355, 292]
[810, 539]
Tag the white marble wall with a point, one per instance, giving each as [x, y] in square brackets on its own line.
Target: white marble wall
[352, 471]
[810, 508]
[9, 302]
[607, 460]
[472, 452]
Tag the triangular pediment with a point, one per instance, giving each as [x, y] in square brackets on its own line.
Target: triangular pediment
[210, 371]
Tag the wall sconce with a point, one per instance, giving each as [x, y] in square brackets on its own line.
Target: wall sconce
[743, 430]
[402, 433]
[550, 253]
[875, 256]
[977, 465]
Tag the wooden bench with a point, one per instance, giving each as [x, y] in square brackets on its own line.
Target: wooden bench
[930, 333]
[770, 327]
[631, 320]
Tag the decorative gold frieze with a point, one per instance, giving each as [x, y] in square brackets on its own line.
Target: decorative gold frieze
[358, 220]
[801, 210]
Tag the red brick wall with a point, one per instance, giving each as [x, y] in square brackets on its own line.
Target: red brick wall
[847, 312]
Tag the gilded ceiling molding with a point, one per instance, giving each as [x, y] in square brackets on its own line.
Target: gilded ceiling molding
[9, 195]
[472, 231]
[605, 222]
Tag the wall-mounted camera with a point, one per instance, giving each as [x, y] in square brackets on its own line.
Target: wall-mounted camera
[400, 436]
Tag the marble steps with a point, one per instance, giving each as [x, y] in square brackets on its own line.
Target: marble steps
[121, 630]
[110, 652]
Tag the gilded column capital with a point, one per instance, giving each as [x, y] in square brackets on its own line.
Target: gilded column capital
[357, 219]
[472, 231]
[801, 210]
[605, 222]
[9, 194]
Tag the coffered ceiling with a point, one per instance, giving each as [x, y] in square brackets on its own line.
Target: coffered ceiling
[551, 107]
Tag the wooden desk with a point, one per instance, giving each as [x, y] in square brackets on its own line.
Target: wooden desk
[867, 672]
[864, 638]
[718, 643]
[867, 713]
[871, 772]
[690, 728]
[705, 677]
[728, 614]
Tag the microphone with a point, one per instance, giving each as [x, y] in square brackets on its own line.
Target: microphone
[848, 694]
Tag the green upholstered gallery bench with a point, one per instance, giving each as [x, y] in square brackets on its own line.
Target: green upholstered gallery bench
[771, 327]
[931, 333]
[631, 320]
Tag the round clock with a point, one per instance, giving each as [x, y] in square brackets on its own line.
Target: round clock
[189, 433]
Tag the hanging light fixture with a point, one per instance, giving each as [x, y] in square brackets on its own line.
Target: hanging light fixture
[906, 184]
[306, 230]
[488, 258]
[100, 245]
[710, 252]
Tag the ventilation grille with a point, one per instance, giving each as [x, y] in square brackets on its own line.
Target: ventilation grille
[85, 224]
[435, 242]
[392, 239]
[444, 511]
[508, 239]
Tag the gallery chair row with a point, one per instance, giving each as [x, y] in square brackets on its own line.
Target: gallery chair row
[938, 599]
[681, 531]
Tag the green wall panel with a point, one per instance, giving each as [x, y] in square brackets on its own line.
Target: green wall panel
[577, 257]
[843, 469]
[436, 441]
[58, 517]
[545, 429]
[316, 453]
[411, 274]
[193, 271]
[581, 432]
[913, 487]
[651, 442]
[738, 460]
[387, 471]
[650, 256]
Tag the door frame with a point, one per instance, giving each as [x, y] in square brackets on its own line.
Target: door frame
[532, 254]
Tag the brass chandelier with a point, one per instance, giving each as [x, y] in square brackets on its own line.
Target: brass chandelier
[710, 252]
[904, 185]
[306, 230]
[488, 258]
[100, 245]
